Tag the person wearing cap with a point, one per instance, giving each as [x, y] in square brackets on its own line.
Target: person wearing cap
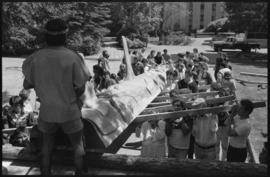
[58, 76]
[204, 130]
[178, 132]
[188, 82]
[166, 56]
[239, 130]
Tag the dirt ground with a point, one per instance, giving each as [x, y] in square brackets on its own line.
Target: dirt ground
[12, 79]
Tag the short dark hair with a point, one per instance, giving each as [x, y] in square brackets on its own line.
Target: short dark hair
[248, 105]
[165, 50]
[56, 32]
[15, 100]
[189, 73]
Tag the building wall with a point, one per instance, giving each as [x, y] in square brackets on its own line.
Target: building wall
[196, 15]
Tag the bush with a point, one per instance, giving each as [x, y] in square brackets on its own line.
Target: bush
[176, 38]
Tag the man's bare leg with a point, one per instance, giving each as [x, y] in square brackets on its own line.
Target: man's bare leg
[76, 140]
[47, 147]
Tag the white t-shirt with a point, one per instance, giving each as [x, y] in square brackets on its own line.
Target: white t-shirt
[204, 129]
[242, 128]
[153, 144]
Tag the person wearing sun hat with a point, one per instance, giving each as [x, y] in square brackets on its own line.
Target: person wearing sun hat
[204, 131]
[58, 75]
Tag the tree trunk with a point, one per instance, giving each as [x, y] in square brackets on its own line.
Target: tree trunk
[164, 166]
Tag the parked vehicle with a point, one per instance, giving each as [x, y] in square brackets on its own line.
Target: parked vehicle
[234, 43]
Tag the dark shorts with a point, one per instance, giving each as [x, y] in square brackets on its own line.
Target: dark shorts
[67, 127]
[236, 154]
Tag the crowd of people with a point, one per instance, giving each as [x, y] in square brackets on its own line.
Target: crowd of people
[201, 136]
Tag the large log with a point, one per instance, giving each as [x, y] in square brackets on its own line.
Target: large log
[162, 166]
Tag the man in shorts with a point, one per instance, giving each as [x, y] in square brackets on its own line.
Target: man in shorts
[58, 76]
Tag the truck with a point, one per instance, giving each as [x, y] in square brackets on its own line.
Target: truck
[234, 43]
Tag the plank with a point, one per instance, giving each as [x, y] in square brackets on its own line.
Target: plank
[253, 74]
[9, 131]
[190, 95]
[177, 114]
[162, 166]
[253, 155]
[204, 87]
[249, 82]
[188, 104]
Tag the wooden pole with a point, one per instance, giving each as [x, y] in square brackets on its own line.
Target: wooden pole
[190, 95]
[253, 74]
[250, 82]
[177, 114]
[168, 107]
[162, 166]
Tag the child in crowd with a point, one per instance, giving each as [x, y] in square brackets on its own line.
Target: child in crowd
[228, 84]
[159, 58]
[204, 131]
[204, 77]
[27, 108]
[239, 130]
[16, 117]
[188, 82]
[166, 56]
[122, 73]
[153, 133]
[178, 132]
[103, 61]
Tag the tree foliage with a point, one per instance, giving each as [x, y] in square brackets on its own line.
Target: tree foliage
[247, 16]
[23, 23]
